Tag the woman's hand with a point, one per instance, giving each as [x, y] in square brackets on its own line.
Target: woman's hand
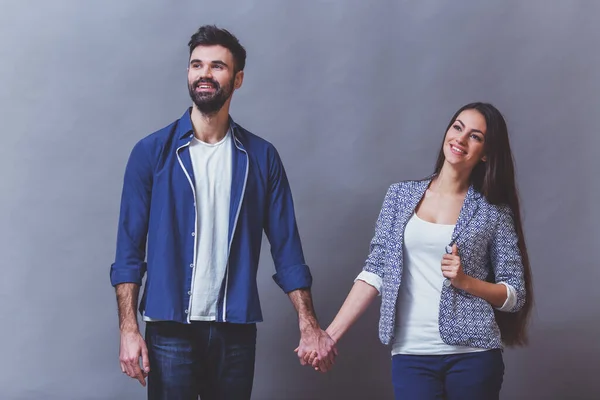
[452, 269]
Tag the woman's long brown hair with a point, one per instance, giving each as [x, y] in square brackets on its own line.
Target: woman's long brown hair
[495, 179]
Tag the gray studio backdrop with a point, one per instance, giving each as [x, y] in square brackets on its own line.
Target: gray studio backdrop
[355, 95]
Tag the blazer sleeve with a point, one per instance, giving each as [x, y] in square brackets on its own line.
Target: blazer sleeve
[373, 270]
[506, 257]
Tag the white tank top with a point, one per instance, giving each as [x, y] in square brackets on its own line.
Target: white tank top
[417, 310]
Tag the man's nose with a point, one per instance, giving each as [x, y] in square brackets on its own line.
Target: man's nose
[205, 73]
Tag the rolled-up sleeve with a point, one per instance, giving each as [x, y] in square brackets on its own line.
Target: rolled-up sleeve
[132, 231]
[511, 298]
[282, 231]
[370, 278]
[507, 261]
[373, 270]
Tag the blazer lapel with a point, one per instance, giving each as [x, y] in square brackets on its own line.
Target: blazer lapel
[468, 210]
[409, 199]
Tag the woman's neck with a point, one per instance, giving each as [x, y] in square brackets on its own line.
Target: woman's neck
[450, 181]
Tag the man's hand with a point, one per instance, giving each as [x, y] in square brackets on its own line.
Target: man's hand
[316, 348]
[315, 344]
[133, 347]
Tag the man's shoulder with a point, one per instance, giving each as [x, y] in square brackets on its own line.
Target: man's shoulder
[151, 146]
[161, 136]
[258, 148]
[251, 139]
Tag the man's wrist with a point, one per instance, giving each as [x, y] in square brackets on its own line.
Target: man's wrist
[129, 327]
[308, 324]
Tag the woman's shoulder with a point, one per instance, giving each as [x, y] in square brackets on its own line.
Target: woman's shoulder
[410, 184]
[496, 211]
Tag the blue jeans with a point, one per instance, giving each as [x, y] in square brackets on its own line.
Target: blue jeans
[468, 376]
[208, 359]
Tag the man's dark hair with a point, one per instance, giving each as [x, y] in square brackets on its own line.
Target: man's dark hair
[210, 35]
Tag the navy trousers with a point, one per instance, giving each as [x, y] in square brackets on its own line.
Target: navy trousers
[468, 376]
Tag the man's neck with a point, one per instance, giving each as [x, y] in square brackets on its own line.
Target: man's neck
[210, 128]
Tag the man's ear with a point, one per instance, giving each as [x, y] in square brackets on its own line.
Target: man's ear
[239, 79]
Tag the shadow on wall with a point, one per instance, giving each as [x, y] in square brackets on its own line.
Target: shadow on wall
[553, 368]
[362, 369]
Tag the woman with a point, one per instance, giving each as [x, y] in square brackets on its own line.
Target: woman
[449, 260]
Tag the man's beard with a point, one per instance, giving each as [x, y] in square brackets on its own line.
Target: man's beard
[210, 103]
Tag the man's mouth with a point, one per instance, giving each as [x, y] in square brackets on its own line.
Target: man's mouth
[204, 86]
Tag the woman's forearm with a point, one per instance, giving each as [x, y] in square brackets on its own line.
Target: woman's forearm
[358, 300]
[493, 293]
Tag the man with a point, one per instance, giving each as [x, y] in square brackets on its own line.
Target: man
[199, 193]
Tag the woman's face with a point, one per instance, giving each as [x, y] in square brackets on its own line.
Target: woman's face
[464, 142]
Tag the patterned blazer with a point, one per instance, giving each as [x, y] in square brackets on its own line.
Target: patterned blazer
[487, 245]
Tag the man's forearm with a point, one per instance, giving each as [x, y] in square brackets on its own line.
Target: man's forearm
[127, 298]
[302, 300]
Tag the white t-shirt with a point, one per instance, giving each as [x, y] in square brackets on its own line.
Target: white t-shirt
[417, 309]
[212, 165]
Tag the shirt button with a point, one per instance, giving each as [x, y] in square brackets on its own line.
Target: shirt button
[193, 233]
[186, 311]
[191, 265]
[189, 292]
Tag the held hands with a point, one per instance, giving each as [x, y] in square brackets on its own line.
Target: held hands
[452, 269]
[317, 349]
[133, 347]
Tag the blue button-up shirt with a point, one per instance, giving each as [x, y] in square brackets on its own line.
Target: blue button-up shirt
[157, 225]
